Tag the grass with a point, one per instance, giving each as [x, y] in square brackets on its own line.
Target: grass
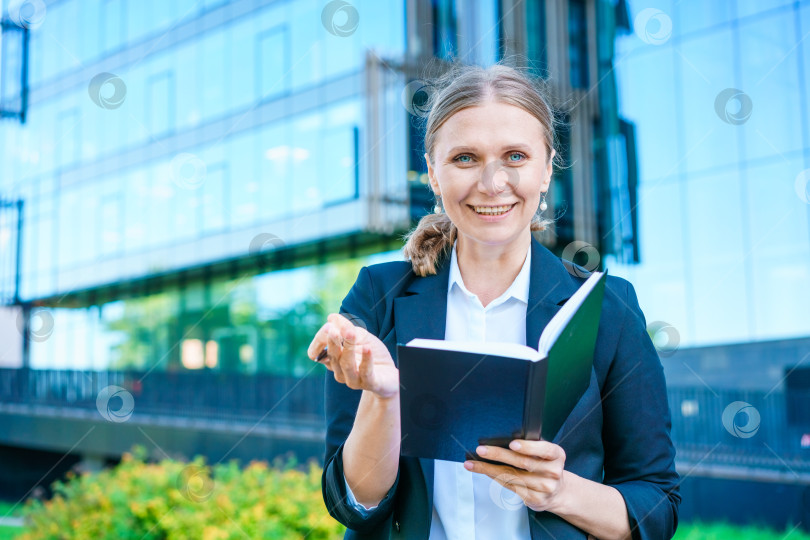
[698, 530]
[7, 533]
[5, 508]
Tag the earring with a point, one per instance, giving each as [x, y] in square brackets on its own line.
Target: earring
[543, 204]
[437, 209]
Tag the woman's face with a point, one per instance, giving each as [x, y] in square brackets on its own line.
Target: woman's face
[486, 160]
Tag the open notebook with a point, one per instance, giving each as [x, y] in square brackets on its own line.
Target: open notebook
[456, 395]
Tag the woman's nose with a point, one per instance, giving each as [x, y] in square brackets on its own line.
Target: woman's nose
[497, 178]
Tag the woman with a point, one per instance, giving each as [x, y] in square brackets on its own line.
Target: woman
[475, 272]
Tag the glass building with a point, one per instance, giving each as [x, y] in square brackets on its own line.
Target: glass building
[188, 188]
[718, 97]
[167, 149]
[187, 169]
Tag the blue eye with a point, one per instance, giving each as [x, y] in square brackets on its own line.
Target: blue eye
[463, 158]
[518, 154]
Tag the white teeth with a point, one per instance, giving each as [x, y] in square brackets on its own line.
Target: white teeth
[492, 210]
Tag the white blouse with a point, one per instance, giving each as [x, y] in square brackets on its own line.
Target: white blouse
[469, 505]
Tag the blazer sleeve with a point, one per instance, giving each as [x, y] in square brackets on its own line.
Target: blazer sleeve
[639, 454]
[341, 404]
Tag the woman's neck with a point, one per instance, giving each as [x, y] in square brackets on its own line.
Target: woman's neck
[487, 270]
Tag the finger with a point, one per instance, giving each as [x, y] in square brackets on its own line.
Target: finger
[319, 341]
[347, 356]
[540, 449]
[334, 352]
[344, 322]
[504, 455]
[490, 469]
[366, 366]
[517, 480]
[339, 321]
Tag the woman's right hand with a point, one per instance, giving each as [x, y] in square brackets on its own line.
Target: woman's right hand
[356, 356]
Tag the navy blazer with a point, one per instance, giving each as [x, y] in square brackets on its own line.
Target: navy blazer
[618, 433]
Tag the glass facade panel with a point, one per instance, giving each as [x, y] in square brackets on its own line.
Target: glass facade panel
[708, 140]
[260, 324]
[653, 94]
[725, 247]
[694, 16]
[768, 45]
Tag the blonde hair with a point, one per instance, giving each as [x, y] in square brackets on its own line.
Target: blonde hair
[460, 88]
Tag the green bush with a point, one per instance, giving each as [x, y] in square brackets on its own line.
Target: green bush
[700, 530]
[175, 500]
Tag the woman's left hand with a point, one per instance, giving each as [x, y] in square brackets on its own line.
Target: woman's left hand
[533, 469]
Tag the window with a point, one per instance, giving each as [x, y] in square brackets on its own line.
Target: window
[13, 61]
[445, 44]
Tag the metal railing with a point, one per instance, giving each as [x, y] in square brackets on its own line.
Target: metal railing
[745, 428]
[206, 395]
[768, 434]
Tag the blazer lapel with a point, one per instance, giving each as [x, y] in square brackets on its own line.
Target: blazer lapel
[423, 312]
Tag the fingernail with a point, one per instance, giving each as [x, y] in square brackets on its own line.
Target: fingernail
[468, 465]
[514, 445]
[481, 451]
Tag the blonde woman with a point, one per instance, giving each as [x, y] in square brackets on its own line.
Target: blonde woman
[473, 271]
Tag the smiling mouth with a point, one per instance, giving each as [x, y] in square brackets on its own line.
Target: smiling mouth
[492, 210]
